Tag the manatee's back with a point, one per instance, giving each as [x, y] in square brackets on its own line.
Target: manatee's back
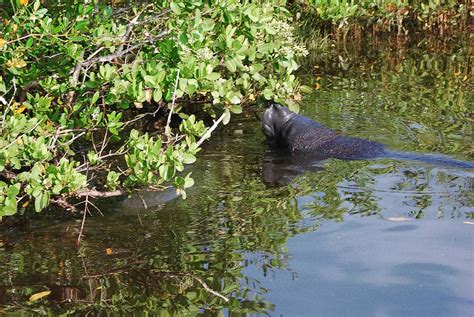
[348, 148]
[319, 141]
[306, 135]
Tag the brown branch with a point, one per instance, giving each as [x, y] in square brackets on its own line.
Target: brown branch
[100, 194]
[8, 175]
[63, 203]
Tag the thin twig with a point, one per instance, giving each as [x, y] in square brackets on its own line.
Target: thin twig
[207, 288]
[83, 166]
[104, 142]
[208, 132]
[167, 127]
[74, 138]
[10, 102]
[86, 210]
[143, 200]
[96, 208]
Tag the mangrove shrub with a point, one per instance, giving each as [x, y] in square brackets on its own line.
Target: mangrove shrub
[76, 81]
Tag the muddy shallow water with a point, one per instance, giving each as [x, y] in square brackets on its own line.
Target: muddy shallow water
[379, 237]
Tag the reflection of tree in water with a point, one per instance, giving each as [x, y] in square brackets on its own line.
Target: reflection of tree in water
[420, 92]
[163, 260]
[387, 189]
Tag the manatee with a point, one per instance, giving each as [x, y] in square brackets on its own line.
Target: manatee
[306, 140]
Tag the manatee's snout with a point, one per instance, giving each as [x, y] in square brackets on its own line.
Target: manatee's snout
[274, 118]
[268, 122]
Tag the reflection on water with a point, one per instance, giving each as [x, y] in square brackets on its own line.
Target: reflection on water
[276, 236]
[368, 267]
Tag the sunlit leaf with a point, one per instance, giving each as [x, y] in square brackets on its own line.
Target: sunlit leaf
[16, 63]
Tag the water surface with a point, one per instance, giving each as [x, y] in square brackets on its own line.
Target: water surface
[361, 238]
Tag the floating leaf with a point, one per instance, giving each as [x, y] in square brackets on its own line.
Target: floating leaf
[40, 295]
[399, 219]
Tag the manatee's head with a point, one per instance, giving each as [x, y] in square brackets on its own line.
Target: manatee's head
[274, 119]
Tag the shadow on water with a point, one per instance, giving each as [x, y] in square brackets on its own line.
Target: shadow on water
[281, 237]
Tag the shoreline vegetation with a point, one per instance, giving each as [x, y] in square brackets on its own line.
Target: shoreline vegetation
[103, 99]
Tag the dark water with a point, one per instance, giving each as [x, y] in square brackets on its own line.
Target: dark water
[359, 238]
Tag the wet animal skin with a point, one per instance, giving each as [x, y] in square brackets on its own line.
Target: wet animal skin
[305, 138]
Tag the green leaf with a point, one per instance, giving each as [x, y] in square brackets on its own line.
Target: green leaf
[9, 208]
[41, 201]
[188, 181]
[29, 42]
[293, 106]
[306, 89]
[213, 76]
[95, 97]
[157, 94]
[36, 5]
[266, 47]
[237, 109]
[77, 38]
[166, 171]
[175, 7]
[231, 65]
[188, 158]
[226, 118]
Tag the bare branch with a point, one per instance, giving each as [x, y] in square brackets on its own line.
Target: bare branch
[99, 194]
[10, 102]
[167, 128]
[63, 203]
[210, 130]
[86, 210]
[6, 174]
